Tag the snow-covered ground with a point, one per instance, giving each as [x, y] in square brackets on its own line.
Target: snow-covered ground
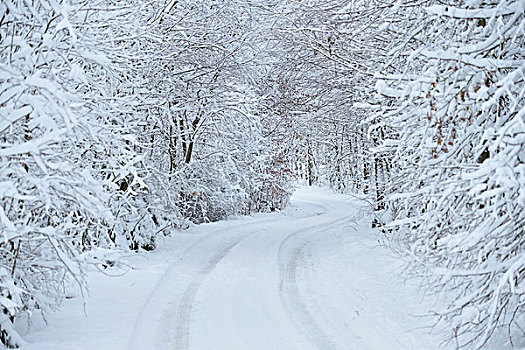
[310, 277]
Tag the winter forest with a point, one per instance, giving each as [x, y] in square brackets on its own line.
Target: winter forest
[124, 121]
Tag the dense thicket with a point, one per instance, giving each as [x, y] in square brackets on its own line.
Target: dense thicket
[459, 205]
[53, 95]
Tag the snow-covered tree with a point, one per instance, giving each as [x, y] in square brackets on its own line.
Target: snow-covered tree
[459, 115]
[203, 133]
[55, 97]
[328, 54]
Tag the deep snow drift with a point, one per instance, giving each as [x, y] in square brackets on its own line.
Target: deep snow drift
[311, 277]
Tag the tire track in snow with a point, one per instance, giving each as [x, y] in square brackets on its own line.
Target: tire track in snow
[182, 331]
[163, 286]
[290, 295]
[184, 313]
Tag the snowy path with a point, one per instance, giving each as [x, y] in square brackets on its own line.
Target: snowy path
[312, 277]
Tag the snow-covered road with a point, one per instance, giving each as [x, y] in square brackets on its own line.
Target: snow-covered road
[311, 277]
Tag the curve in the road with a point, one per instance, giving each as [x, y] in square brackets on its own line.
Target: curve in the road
[182, 331]
[225, 242]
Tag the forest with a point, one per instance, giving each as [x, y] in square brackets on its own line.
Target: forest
[122, 121]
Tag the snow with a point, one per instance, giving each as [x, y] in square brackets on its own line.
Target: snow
[455, 12]
[486, 63]
[312, 276]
